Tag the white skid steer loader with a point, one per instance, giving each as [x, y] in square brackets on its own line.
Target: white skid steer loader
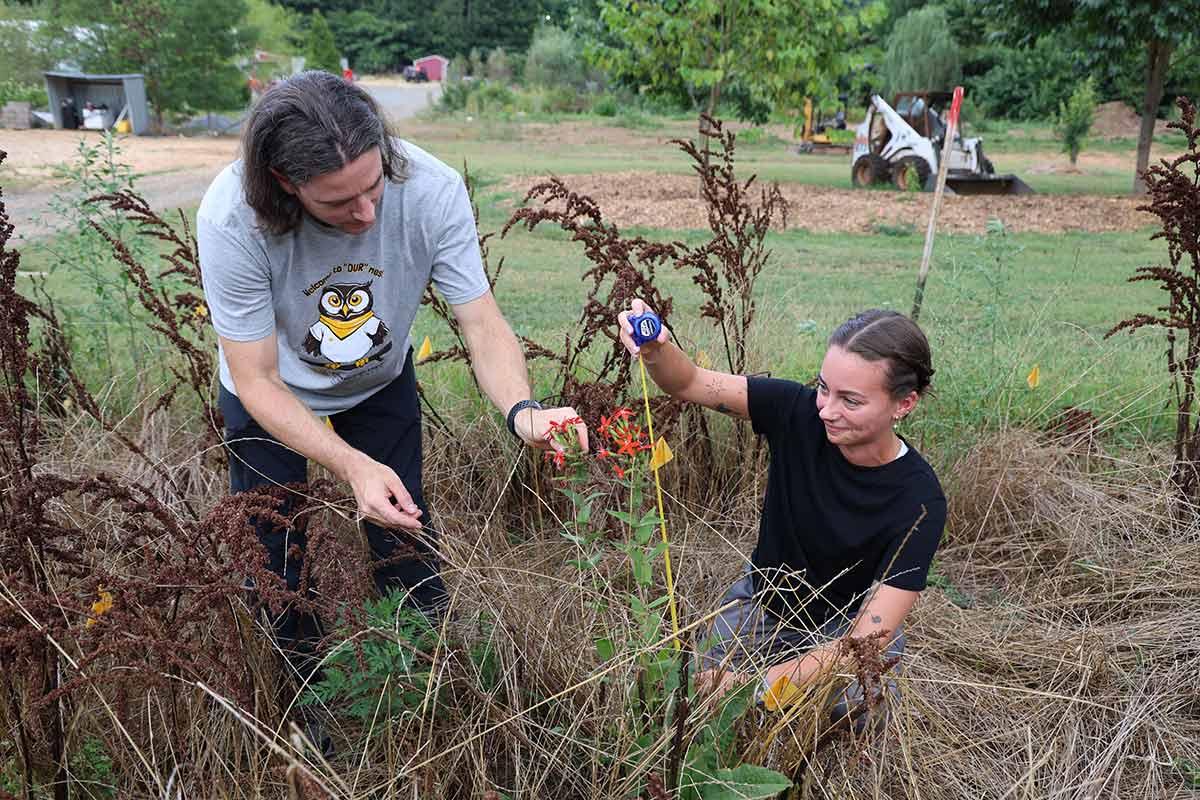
[903, 144]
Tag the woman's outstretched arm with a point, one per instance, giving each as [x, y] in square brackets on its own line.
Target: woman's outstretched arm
[678, 376]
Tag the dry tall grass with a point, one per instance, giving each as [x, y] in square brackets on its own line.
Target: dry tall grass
[1056, 656]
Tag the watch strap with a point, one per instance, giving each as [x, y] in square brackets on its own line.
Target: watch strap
[517, 407]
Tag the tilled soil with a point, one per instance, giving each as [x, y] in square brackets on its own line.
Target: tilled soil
[671, 201]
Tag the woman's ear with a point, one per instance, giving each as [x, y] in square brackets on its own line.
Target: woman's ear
[906, 404]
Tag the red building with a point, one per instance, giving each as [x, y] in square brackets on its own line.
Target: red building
[434, 66]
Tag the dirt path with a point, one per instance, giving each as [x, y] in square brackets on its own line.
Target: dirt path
[669, 201]
[176, 170]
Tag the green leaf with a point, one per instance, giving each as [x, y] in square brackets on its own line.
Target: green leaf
[624, 516]
[605, 648]
[747, 782]
[650, 518]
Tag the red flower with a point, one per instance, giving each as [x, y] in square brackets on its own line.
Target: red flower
[565, 426]
[620, 472]
[628, 448]
[603, 453]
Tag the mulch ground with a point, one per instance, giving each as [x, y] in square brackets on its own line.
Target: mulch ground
[671, 201]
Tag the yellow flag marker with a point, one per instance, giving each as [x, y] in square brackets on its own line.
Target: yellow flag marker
[782, 694]
[425, 351]
[101, 606]
[1034, 377]
[703, 361]
[661, 454]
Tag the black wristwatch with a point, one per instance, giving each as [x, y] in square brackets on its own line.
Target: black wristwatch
[512, 413]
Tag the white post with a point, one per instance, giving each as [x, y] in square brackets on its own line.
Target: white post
[938, 191]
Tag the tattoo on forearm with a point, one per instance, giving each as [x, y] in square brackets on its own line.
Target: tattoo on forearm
[724, 409]
[876, 619]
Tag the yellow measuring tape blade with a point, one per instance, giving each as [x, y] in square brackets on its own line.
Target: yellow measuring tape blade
[662, 517]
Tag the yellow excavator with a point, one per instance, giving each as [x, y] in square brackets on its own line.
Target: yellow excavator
[814, 131]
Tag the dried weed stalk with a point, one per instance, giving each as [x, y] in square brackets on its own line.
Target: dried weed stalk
[108, 590]
[727, 266]
[622, 269]
[1175, 200]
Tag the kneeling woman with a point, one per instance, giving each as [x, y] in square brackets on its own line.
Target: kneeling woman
[849, 504]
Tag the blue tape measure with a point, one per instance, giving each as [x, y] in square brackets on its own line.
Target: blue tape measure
[646, 328]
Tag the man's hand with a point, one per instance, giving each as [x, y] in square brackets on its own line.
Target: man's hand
[499, 365]
[533, 426]
[381, 495]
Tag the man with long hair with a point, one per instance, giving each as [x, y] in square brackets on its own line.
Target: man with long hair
[316, 248]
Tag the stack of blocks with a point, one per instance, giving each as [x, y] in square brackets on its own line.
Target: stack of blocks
[15, 115]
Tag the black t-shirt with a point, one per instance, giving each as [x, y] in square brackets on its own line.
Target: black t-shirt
[829, 529]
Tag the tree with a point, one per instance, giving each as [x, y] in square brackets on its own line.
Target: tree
[23, 56]
[185, 48]
[372, 42]
[776, 51]
[1075, 118]
[277, 27]
[555, 59]
[922, 53]
[1109, 29]
[321, 52]
[460, 25]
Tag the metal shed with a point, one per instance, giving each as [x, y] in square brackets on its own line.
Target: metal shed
[124, 97]
[434, 66]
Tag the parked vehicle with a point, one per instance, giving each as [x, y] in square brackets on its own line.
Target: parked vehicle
[415, 74]
[903, 145]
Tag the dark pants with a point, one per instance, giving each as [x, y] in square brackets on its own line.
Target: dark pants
[387, 427]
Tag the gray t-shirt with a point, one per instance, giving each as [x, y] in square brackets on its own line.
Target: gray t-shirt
[341, 305]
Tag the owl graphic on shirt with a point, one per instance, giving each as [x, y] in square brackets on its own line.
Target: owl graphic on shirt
[346, 329]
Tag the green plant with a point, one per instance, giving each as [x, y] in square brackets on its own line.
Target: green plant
[1075, 117]
[488, 96]
[381, 669]
[705, 765]
[106, 320]
[1189, 770]
[499, 66]
[898, 229]
[320, 51]
[1025, 83]
[92, 769]
[605, 106]
[711, 769]
[32, 93]
[986, 263]
[455, 94]
[555, 59]
[922, 53]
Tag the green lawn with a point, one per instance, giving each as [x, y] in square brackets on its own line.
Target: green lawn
[1048, 302]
